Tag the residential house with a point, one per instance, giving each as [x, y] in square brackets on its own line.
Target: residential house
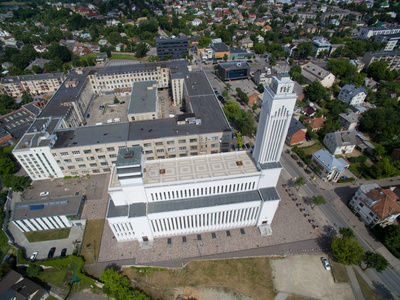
[309, 28]
[312, 72]
[349, 121]
[284, 31]
[309, 111]
[371, 84]
[360, 65]
[296, 133]
[363, 144]
[330, 168]
[340, 142]
[320, 44]
[196, 22]
[259, 22]
[316, 124]
[15, 286]
[246, 42]
[376, 205]
[352, 95]
[266, 28]
[290, 49]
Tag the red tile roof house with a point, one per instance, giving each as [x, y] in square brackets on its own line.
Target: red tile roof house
[315, 123]
[296, 133]
[376, 205]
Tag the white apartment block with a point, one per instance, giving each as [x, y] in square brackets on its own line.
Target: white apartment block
[312, 72]
[367, 32]
[391, 57]
[38, 84]
[186, 195]
[69, 148]
[340, 142]
[177, 83]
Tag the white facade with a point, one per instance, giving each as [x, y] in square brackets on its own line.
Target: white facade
[276, 113]
[185, 195]
[340, 142]
[352, 95]
[177, 83]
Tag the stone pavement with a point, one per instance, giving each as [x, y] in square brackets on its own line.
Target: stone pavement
[354, 283]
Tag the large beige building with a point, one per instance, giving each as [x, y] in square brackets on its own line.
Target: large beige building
[58, 144]
[38, 84]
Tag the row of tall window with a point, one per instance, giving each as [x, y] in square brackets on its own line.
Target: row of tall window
[203, 191]
[230, 217]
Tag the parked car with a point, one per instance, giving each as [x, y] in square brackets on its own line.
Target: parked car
[63, 252]
[51, 252]
[248, 146]
[123, 102]
[326, 264]
[42, 194]
[33, 256]
[343, 177]
[182, 109]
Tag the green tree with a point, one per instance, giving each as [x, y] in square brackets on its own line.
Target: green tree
[57, 51]
[318, 200]
[33, 270]
[142, 49]
[17, 183]
[118, 286]
[346, 232]
[315, 92]
[259, 48]
[254, 107]
[116, 100]
[204, 41]
[299, 182]
[375, 260]
[225, 57]
[37, 69]
[26, 98]
[377, 70]
[303, 50]
[347, 250]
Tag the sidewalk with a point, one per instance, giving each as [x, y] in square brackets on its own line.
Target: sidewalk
[354, 283]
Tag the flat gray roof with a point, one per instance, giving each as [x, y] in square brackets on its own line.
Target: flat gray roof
[199, 202]
[129, 156]
[19, 78]
[39, 208]
[143, 97]
[269, 194]
[234, 65]
[54, 107]
[201, 99]
[116, 211]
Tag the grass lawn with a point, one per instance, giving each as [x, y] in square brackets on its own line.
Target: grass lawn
[4, 246]
[126, 56]
[340, 272]
[309, 150]
[92, 239]
[367, 292]
[53, 276]
[47, 235]
[250, 276]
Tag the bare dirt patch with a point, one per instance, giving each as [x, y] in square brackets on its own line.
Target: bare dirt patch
[241, 278]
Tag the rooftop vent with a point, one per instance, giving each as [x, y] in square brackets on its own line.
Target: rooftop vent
[128, 155]
[162, 171]
[239, 163]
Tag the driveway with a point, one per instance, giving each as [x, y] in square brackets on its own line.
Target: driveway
[305, 276]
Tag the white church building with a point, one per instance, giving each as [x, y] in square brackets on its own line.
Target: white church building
[186, 195]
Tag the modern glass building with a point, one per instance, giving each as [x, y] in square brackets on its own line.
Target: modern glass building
[174, 46]
[234, 70]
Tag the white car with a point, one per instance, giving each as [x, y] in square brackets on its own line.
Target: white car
[326, 264]
[42, 194]
[33, 256]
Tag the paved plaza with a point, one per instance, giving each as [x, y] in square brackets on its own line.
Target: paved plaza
[289, 225]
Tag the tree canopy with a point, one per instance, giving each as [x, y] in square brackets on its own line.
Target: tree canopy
[316, 92]
[376, 261]
[347, 250]
[119, 287]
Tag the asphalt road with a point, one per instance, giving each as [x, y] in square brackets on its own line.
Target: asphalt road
[390, 279]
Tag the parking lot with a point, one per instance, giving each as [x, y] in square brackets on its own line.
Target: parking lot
[305, 276]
